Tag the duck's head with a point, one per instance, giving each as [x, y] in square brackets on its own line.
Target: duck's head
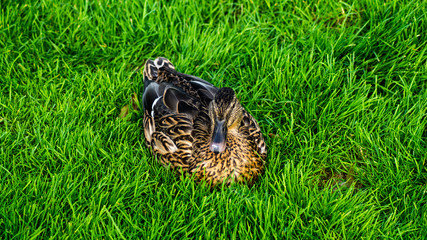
[226, 114]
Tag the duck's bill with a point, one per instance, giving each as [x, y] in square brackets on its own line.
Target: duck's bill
[219, 137]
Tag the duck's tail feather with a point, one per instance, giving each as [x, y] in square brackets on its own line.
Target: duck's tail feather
[152, 67]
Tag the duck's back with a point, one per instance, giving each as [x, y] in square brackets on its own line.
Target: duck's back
[172, 101]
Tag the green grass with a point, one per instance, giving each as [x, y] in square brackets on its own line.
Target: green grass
[338, 88]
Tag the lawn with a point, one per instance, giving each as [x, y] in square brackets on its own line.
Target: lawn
[339, 90]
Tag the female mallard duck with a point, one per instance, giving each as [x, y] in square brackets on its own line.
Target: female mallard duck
[198, 128]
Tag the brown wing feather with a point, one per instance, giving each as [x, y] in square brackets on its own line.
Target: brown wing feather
[149, 128]
[171, 139]
[253, 131]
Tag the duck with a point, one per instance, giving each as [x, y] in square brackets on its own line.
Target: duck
[198, 129]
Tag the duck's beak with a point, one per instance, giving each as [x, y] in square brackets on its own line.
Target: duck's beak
[219, 137]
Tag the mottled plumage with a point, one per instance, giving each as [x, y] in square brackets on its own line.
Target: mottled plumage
[197, 128]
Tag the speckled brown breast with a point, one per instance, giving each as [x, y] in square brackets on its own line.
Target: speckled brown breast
[239, 163]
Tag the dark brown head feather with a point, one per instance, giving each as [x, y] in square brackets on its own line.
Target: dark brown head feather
[224, 97]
